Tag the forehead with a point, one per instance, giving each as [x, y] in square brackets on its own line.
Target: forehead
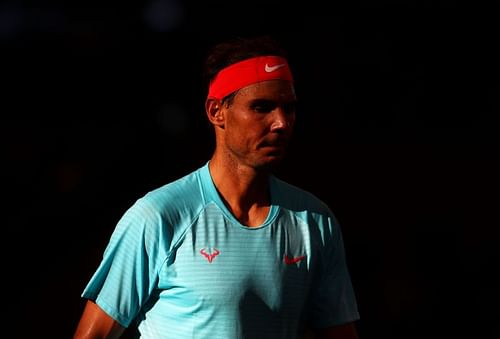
[277, 90]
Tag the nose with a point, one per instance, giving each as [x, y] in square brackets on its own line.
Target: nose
[282, 120]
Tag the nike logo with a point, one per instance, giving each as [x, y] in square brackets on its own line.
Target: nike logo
[270, 69]
[210, 256]
[293, 260]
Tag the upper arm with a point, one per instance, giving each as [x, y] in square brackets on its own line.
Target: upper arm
[128, 271]
[95, 323]
[333, 301]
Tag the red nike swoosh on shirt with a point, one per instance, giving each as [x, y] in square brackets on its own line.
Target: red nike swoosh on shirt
[293, 260]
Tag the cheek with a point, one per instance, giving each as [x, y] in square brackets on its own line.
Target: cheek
[244, 135]
[245, 125]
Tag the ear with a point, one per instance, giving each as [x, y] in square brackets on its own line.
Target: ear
[215, 114]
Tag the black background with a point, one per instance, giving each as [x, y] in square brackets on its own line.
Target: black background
[396, 132]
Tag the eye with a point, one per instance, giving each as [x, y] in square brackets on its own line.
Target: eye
[290, 108]
[263, 106]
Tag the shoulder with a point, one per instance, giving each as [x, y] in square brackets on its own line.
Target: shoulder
[295, 198]
[306, 206]
[184, 192]
[170, 206]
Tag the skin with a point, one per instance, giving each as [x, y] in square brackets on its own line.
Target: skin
[252, 134]
[97, 324]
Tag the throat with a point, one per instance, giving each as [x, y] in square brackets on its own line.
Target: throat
[245, 193]
[253, 217]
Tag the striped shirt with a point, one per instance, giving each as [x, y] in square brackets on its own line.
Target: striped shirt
[180, 265]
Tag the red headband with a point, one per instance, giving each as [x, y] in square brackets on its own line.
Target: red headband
[248, 72]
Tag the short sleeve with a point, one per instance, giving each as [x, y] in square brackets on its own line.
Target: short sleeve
[128, 272]
[333, 302]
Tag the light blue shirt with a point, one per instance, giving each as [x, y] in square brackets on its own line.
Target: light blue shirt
[179, 265]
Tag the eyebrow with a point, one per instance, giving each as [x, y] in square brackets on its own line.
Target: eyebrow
[263, 101]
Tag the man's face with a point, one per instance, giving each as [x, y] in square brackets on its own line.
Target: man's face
[259, 123]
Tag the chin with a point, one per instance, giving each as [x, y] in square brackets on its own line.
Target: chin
[270, 163]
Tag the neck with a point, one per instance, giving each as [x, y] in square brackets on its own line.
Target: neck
[244, 190]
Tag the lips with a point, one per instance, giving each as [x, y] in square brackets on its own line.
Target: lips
[274, 148]
[275, 143]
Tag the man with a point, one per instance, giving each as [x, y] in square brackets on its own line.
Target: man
[229, 250]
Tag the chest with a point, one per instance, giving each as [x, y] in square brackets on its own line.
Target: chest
[222, 264]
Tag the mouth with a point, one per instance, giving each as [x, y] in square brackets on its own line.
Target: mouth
[274, 147]
[275, 143]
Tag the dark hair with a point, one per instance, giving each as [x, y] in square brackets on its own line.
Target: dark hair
[237, 49]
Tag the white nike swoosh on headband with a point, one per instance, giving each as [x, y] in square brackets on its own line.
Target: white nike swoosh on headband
[270, 69]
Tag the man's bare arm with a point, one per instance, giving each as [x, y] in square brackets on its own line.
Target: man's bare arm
[97, 324]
